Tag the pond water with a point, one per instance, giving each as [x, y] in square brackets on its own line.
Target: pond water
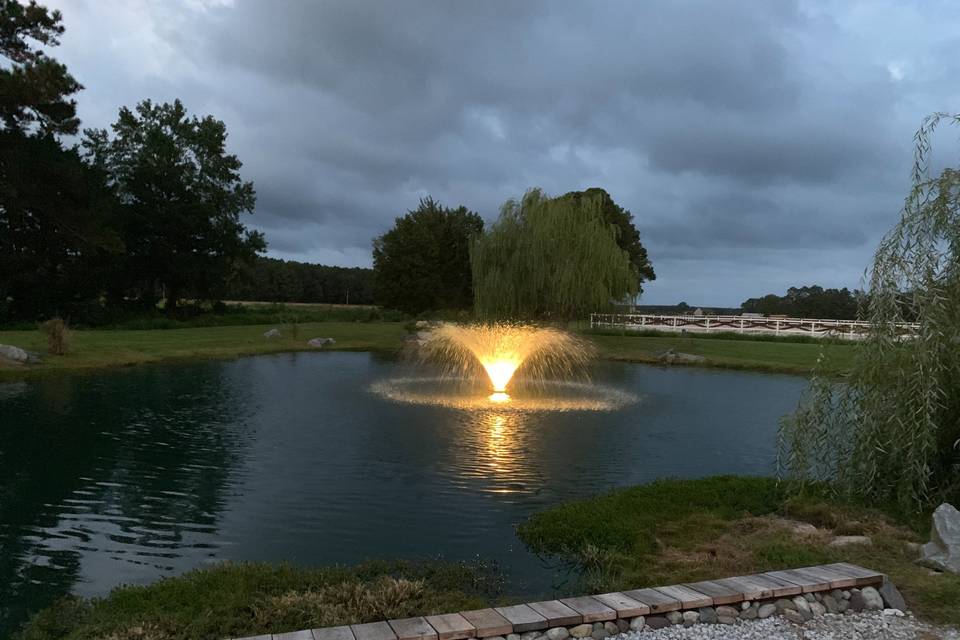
[134, 474]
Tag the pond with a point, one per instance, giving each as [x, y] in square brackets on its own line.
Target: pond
[133, 474]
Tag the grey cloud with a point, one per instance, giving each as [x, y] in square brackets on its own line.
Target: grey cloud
[769, 128]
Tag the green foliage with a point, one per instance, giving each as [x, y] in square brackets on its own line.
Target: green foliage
[550, 259]
[891, 433]
[272, 280]
[34, 89]
[628, 236]
[239, 600]
[423, 262]
[808, 302]
[181, 197]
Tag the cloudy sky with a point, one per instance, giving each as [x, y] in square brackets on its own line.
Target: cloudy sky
[758, 144]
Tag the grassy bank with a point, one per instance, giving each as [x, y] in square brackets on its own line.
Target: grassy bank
[774, 356]
[679, 531]
[122, 347]
[105, 348]
[240, 600]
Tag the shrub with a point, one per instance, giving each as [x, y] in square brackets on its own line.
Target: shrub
[58, 336]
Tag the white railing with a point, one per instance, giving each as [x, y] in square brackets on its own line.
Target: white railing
[850, 329]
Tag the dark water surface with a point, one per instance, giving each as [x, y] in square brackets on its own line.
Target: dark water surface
[130, 475]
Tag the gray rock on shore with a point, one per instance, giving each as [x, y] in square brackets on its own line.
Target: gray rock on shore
[943, 551]
[321, 342]
[271, 333]
[10, 354]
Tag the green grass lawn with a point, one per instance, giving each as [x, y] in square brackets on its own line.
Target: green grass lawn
[757, 355]
[675, 531]
[120, 347]
[103, 348]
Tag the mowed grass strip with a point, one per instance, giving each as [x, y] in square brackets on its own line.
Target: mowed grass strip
[755, 355]
[117, 347]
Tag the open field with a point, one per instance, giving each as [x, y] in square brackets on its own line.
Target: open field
[123, 347]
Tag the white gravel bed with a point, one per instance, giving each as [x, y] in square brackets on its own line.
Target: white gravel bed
[860, 626]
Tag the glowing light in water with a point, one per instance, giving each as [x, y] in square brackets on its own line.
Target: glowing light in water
[501, 350]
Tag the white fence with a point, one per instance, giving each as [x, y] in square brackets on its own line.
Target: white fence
[849, 329]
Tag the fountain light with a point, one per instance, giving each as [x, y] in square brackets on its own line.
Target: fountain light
[499, 397]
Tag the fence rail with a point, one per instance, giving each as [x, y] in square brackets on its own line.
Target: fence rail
[849, 329]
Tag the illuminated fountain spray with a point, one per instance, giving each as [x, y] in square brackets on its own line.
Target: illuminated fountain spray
[501, 349]
[545, 369]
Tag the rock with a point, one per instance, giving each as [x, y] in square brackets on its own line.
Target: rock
[638, 623]
[817, 609]
[271, 333]
[581, 630]
[809, 597]
[513, 636]
[837, 594]
[803, 607]
[671, 357]
[893, 612]
[675, 617]
[830, 604]
[622, 625]
[846, 594]
[749, 613]
[611, 628]
[10, 354]
[818, 596]
[892, 597]
[322, 342]
[726, 620]
[657, 622]
[845, 541]
[792, 615]
[857, 603]
[530, 635]
[943, 550]
[843, 606]
[690, 618]
[708, 615]
[599, 633]
[871, 599]
[784, 605]
[766, 610]
[744, 605]
[557, 633]
[730, 612]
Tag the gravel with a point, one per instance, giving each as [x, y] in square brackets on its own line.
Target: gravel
[862, 626]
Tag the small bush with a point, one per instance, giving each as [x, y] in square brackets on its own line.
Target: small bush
[58, 336]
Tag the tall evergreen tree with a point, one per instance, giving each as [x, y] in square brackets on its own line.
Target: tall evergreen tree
[54, 209]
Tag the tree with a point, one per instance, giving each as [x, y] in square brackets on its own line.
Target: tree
[808, 302]
[550, 259]
[54, 209]
[423, 262]
[181, 197]
[34, 90]
[628, 236]
[890, 433]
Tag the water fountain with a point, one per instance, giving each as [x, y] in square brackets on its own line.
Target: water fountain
[481, 364]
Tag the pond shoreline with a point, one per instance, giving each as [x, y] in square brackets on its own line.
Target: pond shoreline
[96, 350]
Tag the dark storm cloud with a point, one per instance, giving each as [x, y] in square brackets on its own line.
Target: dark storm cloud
[778, 130]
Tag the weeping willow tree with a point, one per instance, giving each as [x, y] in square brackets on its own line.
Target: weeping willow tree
[549, 259]
[891, 432]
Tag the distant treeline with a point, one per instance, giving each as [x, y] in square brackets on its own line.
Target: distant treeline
[808, 302]
[273, 280]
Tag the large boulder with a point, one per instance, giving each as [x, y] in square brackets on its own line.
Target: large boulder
[321, 342]
[271, 333]
[13, 355]
[943, 550]
[671, 356]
